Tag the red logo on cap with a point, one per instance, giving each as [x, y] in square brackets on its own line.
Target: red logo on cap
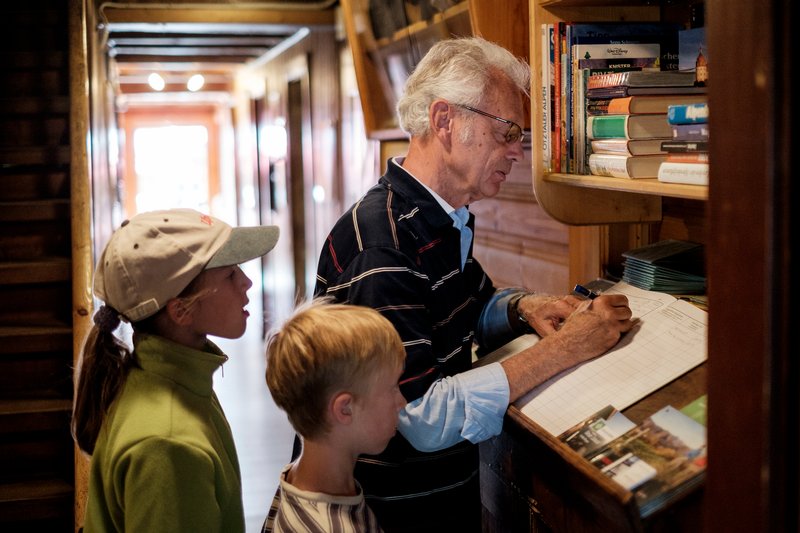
[206, 219]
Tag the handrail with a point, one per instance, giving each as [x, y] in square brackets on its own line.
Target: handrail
[81, 218]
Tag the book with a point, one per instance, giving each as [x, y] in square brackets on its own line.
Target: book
[693, 54]
[625, 166]
[689, 132]
[691, 42]
[623, 90]
[681, 172]
[676, 146]
[697, 409]
[687, 157]
[547, 96]
[687, 113]
[640, 104]
[659, 460]
[596, 431]
[628, 126]
[642, 78]
[627, 146]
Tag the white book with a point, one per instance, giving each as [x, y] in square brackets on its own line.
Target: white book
[680, 172]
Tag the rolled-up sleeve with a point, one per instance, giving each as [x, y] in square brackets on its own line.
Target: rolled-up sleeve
[470, 406]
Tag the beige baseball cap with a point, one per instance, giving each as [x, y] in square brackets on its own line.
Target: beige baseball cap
[154, 256]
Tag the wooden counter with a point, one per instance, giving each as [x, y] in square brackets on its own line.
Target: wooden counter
[532, 482]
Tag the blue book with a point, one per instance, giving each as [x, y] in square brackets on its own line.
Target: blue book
[688, 113]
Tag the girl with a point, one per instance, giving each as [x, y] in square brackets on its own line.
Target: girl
[163, 457]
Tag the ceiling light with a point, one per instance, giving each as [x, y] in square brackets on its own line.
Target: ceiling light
[156, 81]
[195, 83]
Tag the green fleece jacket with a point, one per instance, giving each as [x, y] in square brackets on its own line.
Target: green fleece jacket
[165, 459]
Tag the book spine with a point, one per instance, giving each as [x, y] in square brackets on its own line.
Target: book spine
[688, 173]
[609, 165]
[687, 113]
[684, 146]
[689, 132]
[608, 126]
[609, 79]
[619, 106]
[566, 94]
[547, 36]
[688, 157]
[556, 144]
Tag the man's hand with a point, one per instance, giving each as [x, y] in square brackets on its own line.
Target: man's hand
[596, 325]
[578, 330]
[546, 314]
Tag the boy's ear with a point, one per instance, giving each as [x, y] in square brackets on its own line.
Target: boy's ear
[178, 312]
[341, 407]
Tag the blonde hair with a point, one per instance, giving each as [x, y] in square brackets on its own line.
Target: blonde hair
[322, 349]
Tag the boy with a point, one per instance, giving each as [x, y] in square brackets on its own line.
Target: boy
[334, 369]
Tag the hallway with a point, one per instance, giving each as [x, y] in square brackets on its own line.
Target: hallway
[262, 433]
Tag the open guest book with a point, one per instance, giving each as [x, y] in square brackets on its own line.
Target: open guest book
[668, 340]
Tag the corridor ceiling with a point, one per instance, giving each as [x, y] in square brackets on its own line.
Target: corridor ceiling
[178, 39]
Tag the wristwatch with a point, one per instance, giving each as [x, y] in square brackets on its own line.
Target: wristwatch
[518, 313]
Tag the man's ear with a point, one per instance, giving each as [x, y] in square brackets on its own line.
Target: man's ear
[341, 408]
[178, 312]
[441, 117]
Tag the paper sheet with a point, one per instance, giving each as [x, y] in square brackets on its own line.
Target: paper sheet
[668, 341]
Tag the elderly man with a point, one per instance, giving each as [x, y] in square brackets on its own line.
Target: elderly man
[405, 249]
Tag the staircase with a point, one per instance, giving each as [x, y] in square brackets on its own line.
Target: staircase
[36, 339]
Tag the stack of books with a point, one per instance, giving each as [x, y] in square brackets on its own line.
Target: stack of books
[627, 119]
[571, 51]
[671, 266]
[687, 151]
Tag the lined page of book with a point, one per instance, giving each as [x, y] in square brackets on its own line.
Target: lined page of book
[668, 340]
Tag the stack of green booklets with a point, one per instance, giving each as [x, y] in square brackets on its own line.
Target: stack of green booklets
[671, 266]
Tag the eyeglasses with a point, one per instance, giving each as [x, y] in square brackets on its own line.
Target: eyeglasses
[514, 132]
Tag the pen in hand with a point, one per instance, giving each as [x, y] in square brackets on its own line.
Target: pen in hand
[580, 289]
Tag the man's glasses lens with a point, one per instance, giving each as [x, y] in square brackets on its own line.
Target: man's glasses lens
[514, 132]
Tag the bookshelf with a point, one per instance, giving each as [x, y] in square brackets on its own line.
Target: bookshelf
[530, 480]
[388, 39]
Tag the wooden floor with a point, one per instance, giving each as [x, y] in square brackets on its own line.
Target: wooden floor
[262, 433]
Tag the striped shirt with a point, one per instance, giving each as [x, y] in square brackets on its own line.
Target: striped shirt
[396, 250]
[301, 511]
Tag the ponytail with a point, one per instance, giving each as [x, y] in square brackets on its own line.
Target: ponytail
[101, 372]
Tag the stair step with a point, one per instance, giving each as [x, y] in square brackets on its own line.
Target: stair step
[32, 240]
[34, 155]
[42, 502]
[38, 304]
[45, 271]
[34, 105]
[35, 210]
[32, 339]
[38, 454]
[23, 416]
[34, 60]
[33, 183]
[39, 82]
[32, 130]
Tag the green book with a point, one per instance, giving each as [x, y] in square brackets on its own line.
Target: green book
[697, 409]
[654, 126]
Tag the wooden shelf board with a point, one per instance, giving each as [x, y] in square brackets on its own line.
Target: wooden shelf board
[641, 186]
